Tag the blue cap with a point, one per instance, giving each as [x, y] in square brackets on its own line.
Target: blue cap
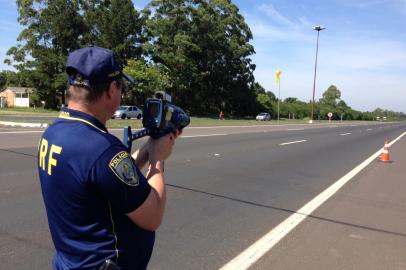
[92, 66]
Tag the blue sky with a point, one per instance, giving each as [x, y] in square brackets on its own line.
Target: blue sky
[362, 51]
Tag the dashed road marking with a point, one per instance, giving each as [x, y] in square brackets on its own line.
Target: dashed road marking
[286, 143]
[208, 135]
[345, 134]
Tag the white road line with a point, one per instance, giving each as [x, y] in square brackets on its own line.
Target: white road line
[19, 124]
[249, 256]
[345, 134]
[369, 128]
[250, 126]
[209, 135]
[21, 132]
[295, 129]
[286, 143]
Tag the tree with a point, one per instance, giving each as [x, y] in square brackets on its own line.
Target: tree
[53, 28]
[290, 100]
[330, 96]
[3, 80]
[258, 88]
[205, 47]
[149, 79]
[116, 25]
[342, 105]
[267, 104]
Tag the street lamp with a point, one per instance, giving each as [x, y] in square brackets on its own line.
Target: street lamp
[317, 28]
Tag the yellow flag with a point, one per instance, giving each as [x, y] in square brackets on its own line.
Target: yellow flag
[278, 75]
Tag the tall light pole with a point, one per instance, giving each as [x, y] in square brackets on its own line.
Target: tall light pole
[318, 28]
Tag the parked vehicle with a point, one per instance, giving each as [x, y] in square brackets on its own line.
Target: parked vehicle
[263, 117]
[128, 112]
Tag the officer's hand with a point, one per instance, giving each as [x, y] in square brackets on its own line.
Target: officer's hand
[140, 156]
[161, 149]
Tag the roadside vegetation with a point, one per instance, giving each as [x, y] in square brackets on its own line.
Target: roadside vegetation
[199, 51]
[19, 114]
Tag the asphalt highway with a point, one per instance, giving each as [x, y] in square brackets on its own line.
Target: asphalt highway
[227, 187]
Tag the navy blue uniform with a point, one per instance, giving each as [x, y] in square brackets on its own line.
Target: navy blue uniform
[89, 182]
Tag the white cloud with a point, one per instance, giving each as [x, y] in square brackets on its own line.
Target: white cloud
[305, 23]
[283, 21]
[277, 27]
[263, 30]
[275, 15]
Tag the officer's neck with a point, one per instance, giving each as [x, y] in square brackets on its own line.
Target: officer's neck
[94, 109]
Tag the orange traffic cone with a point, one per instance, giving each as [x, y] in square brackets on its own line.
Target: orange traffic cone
[385, 153]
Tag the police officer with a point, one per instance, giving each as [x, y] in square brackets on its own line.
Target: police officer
[100, 206]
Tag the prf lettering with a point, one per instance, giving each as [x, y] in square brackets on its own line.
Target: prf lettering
[43, 153]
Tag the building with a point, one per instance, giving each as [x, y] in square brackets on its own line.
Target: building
[15, 97]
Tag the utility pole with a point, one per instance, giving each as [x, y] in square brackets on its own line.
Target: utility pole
[318, 29]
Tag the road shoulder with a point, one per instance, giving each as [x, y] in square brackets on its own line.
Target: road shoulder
[363, 226]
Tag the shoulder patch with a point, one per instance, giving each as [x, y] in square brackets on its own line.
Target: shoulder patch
[123, 167]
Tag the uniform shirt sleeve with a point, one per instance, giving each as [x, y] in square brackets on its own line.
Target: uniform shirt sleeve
[118, 179]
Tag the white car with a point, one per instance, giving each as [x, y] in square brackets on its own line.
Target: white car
[263, 117]
[128, 112]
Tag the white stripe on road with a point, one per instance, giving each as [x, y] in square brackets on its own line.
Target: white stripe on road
[345, 134]
[369, 128]
[22, 132]
[19, 124]
[295, 129]
[286, 143]
[209, 135]
[249, 256]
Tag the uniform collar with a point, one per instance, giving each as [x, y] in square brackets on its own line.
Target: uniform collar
[75, 115]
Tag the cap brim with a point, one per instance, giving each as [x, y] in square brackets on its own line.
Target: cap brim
[128, 78]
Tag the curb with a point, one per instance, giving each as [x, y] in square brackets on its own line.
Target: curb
[14, 124]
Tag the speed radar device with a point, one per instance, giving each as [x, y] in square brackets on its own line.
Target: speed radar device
[160, 117]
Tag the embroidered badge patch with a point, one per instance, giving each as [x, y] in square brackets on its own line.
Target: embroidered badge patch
[124, 168]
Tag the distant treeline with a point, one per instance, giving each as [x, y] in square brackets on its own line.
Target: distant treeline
[197, 50]
[292, 108]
